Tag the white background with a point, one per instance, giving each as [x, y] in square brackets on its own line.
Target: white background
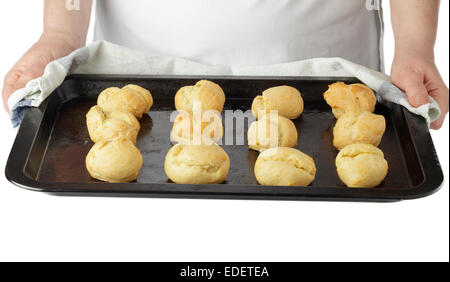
[35, 226]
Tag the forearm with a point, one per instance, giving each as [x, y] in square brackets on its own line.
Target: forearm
[414, 23]
[68, 24]
[414, 70]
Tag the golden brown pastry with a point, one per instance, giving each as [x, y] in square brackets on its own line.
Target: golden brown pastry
[206, 130]
[131, 98]
[204, 95]
[284, 99]
[361, 165]
[284, 167]
[365, 127]
[355, 98]
[271, 131]
[117, 160]
[190, 164]
[106, 127]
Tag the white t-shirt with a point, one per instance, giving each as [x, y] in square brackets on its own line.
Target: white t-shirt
[245, 32]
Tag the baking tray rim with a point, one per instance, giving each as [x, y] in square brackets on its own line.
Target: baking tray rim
[15, 167]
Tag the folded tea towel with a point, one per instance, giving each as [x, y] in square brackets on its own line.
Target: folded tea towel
[102, 57]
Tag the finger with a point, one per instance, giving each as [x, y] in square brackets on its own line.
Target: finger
[9, 89]
[10, 85]
[31, 73]
[437, 124]
[441, 94]
[415, 89]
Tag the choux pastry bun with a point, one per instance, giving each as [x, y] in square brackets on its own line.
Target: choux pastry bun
[117, 160]
[361, 165]
[204, 95]
[284, 167]
[131, 98]
[365, 127]
[191, 164]
[285, 99]
[271, 131]
[206, 129]
[344, 98]
[103, 126]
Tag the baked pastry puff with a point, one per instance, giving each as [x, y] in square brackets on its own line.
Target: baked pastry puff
[344, 98]
[271, 131]
[365, 127]
[361, 165]
[103, 126]
[191, 164]
[204, 95]
[113, 161]
[285, 99]
[206, 129]
[284, 167]
[131, 98]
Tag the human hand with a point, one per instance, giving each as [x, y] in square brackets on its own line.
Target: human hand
[49, 47]
[415, 73]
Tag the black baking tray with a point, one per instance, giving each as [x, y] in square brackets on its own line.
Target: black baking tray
[51, 144]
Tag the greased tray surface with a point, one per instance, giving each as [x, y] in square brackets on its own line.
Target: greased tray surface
[50, 149]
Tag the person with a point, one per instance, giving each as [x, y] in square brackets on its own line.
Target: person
[249, 33]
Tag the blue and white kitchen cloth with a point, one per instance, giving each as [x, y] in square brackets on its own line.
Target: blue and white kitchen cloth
[102, 57]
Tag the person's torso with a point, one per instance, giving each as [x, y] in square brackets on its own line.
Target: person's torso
[244, 32]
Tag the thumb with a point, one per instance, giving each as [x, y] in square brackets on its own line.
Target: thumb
[10, 85]
[413, 85]
[17, 78]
